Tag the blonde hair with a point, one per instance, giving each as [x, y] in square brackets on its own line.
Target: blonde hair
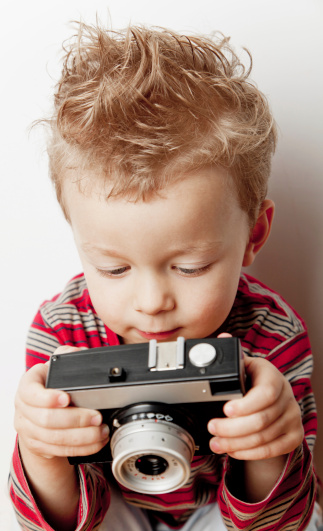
[141, 106]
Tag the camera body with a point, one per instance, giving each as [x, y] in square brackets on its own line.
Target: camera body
[157, 399]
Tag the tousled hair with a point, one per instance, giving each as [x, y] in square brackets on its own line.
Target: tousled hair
[140, 107]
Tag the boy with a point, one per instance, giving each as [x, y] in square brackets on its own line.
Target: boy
[160, 155]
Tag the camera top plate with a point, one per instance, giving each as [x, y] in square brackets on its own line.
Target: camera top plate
[115, 376]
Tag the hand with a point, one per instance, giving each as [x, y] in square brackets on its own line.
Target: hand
[46, 426]
[265, 423]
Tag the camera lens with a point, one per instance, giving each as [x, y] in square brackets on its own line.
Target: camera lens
[152, 448]
[151, 465]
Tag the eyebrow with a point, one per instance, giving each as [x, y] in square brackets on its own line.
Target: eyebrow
[90, 247]
[202, 247]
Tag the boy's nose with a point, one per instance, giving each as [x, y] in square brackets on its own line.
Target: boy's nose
[153, 296]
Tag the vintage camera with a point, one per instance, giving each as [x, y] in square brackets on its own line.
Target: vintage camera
[157, 399]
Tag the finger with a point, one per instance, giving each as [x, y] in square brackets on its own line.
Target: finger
[288, 424]
[283, 445]
[32, 389]
[280, 427]
[67, 437]
[243, 426]
[52, 450]
[72, 417]
[267, 385]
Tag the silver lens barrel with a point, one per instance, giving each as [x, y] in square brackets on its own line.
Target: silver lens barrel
[155, 439]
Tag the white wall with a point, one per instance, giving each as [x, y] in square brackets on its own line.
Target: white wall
[38, 256]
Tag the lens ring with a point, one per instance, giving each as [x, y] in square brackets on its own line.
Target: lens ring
[167, 441]
[147, 410]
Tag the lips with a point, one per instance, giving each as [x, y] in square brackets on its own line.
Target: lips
[159, 336]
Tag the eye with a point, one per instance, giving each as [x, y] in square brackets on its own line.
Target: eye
[192, 272]
[110, 273]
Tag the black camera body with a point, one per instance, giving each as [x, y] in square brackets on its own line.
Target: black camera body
[157, 399]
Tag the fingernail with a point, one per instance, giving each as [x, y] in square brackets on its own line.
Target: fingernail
[105, 430]
[63, 400]
[215, 447]
[228, 410]
[211, 427]
[96, 420]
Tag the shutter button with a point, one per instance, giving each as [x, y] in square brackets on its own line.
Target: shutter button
[202, 355]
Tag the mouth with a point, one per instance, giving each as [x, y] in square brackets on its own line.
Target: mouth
[159, 336]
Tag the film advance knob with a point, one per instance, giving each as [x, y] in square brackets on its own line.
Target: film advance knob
[202, 355]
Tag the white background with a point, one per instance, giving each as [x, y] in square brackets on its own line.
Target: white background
[37, 251]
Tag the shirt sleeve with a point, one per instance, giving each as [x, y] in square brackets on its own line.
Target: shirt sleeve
[61, 321]
[93, 503]
[291, 501]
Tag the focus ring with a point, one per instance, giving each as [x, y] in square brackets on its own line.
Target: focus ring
[161, 439]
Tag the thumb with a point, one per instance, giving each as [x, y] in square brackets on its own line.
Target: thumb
[66, 349]
[32, 389]
[62, 398]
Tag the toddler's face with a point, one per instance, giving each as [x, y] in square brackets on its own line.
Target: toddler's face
[166, 267]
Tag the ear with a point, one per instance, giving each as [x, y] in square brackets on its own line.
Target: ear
[260, 232]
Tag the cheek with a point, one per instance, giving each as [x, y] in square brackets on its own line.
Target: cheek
[210, 305]
[213, 301]
[106, 298]
[109, 309]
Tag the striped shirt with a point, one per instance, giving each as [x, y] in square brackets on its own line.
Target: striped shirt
[267, 327]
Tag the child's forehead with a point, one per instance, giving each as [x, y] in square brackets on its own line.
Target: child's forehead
[94, 184]
[201, 206]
